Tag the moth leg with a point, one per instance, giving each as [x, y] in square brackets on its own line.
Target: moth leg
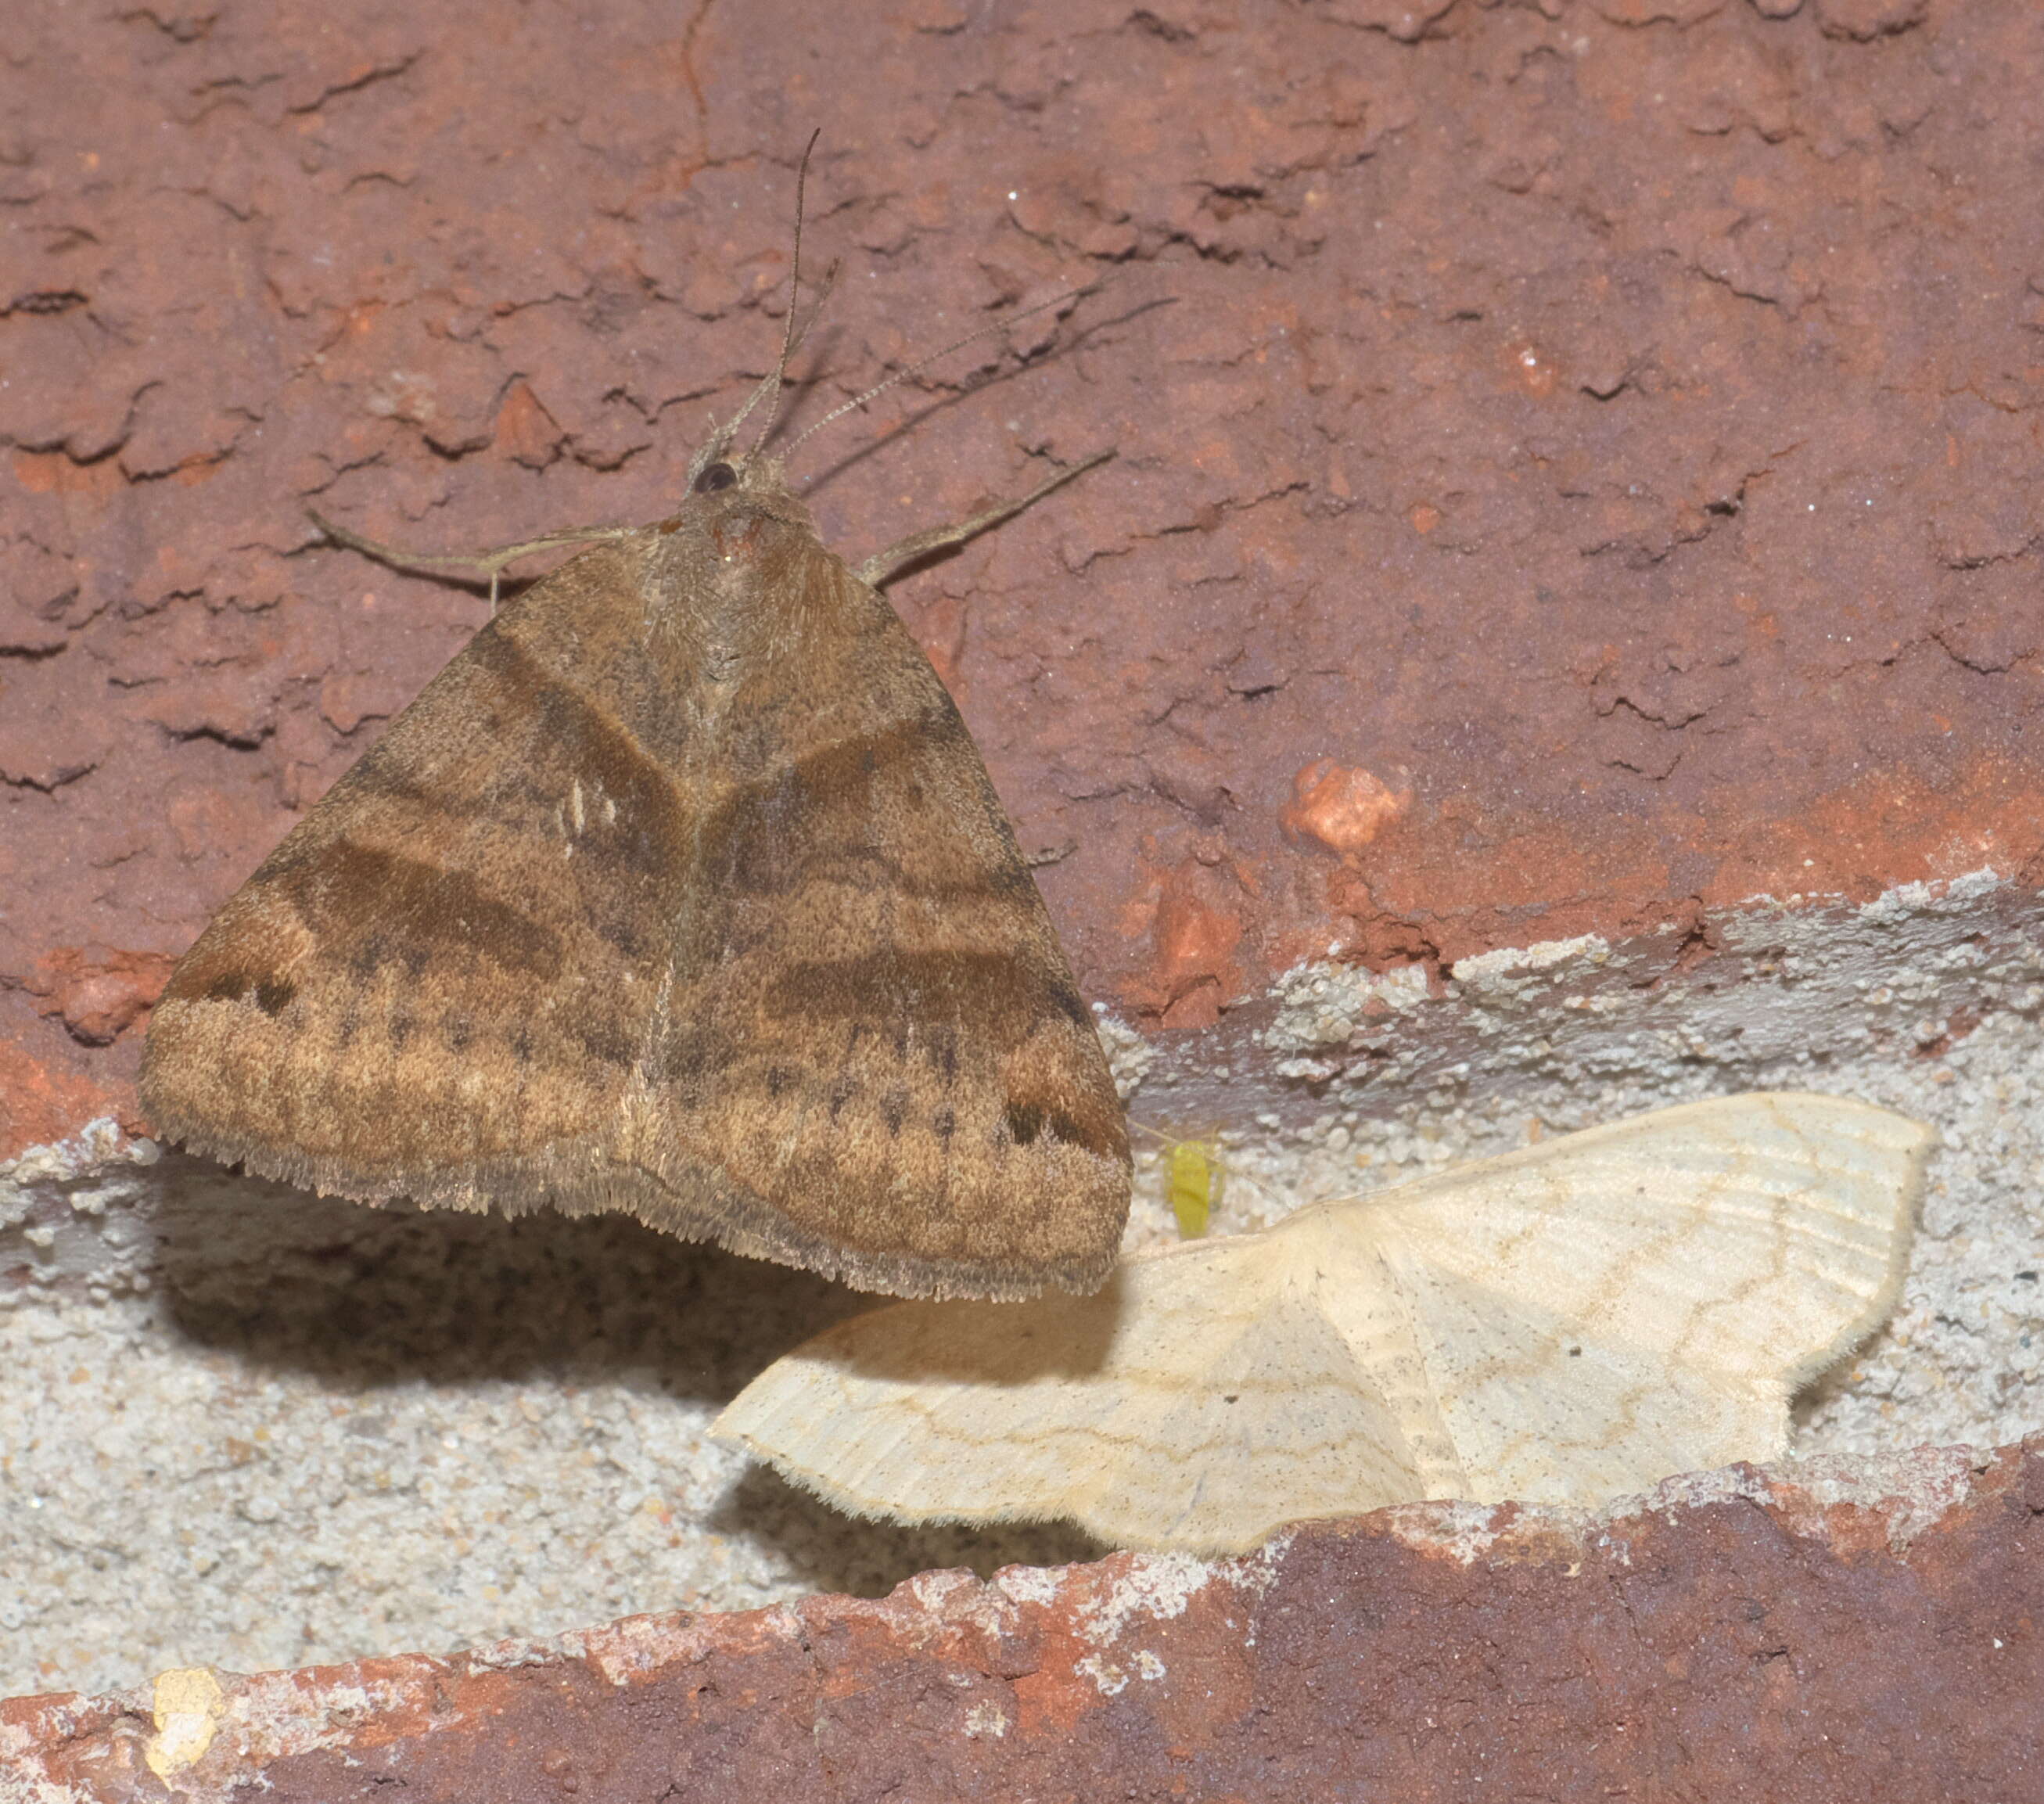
[490, 563]
[879, 568]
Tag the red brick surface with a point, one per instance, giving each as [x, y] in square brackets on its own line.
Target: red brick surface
[1586, 470]
[1579, 467]
[1742, 1641]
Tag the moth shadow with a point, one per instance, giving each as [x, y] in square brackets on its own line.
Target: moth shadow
[1052, 1336]
[867, 1559]
[361, 1297]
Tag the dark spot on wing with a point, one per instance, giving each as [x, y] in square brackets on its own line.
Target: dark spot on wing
[606, 1038]
[688, 1056]
[272, 995]
[1092, 1127]
[387, 907]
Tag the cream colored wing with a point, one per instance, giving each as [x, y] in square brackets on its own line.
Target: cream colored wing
[1643, 1298]
[1562, 1324]
[1199, 1401]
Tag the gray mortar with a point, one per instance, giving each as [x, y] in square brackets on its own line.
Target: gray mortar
[248, 1427]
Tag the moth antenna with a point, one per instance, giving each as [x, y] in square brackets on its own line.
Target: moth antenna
[823, 290]
[715, 441]
[770, 390]
[921, 363]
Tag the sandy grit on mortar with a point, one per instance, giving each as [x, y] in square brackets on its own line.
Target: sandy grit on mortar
[323, 1432]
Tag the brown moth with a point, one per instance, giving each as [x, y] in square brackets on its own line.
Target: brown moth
[680, 891]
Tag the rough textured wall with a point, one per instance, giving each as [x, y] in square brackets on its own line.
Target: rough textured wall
[1577, 470]
[1796, 1636]
[1578, 463]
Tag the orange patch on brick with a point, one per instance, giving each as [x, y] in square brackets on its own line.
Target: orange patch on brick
[100, 993]
[40, 1106]
[1342, 806]
[1424, 516]
[1060, 1692]
[1885, 828]
[51, 472]
[941, 634]
[1194, 926]
[1193, 943]
[1467, 881]
[526, 432]
[1368, 933]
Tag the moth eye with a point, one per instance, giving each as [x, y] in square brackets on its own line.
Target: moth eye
[716, 476]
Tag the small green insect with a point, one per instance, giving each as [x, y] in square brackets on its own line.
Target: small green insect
[1193, 1186]
[1192, 1179]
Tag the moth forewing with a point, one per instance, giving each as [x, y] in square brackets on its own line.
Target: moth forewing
[1560, 1325]
[681, 891]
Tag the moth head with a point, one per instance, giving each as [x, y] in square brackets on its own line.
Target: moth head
[739, 523]
[728, 488]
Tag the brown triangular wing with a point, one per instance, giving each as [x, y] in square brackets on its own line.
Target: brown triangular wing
[680, 891]
[872, 1026]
